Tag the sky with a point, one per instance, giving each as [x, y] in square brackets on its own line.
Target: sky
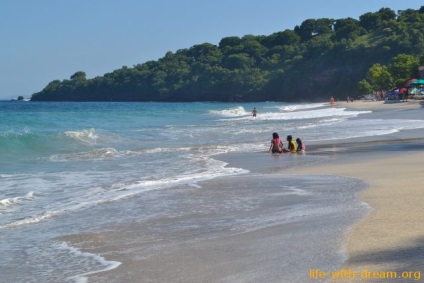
[45, 40]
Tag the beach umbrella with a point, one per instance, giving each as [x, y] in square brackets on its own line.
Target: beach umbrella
[417, 82]
[410, 81]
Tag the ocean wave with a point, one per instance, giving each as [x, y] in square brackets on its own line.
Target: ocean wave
[11, 134]
[197, 168]
[297, 107]
[95, 154]
[321, 123]
[30, 219]
[8, 202]
[305, 115]
[369, 127]
[208, 150]
[86, 136]
[12, 142]
[78, 265]
[93, 136]
[232, 112]
[87, 259]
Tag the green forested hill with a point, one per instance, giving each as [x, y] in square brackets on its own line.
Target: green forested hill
[319, 58]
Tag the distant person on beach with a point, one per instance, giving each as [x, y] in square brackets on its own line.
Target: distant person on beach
[331, 102]
[292, 147]
[276, 144]
[254, 112]
[300, 145]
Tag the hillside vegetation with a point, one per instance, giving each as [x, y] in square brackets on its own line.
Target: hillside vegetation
[317, 59]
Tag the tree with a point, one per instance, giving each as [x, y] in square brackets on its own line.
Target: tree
[206, 53]
[410, 16]
[365, 87]
[421, 61]
[379, 77]
[312, 27]
[370, 21]
[404, 67]
[78, 76]
[287, 37]
[306, 30]
[347, 28]
[238, 61]
[229, 41]
[319, 58]
[254, 49]
[387, 14]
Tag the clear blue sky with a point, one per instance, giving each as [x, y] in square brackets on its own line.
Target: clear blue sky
[52, 39]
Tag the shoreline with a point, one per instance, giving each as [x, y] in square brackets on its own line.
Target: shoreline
[390, 238]
[387, 239]
[381, 105]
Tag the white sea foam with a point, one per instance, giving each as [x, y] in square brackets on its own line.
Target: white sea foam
[86, 136]
[14, 133]
[30, 220]
[346, 129]
[301, 106]
[105, 265]
[304, 115]
[8, 202]
[199, 168]
[232, 112]
[69, 263]
[95, 154]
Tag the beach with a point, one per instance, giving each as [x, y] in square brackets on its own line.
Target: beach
[391, 238]
[96, 197]
[386, 236]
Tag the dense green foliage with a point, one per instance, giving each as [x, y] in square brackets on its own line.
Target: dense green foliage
[317, 59]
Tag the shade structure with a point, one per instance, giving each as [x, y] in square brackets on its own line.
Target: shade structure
[417, 82]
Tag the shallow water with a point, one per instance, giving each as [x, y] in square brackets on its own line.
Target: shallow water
[69, 168]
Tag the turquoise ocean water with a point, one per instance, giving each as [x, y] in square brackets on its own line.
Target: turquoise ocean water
[69, 168]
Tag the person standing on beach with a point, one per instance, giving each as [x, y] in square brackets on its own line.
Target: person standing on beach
[254, 112]
[331, 102]
[276, 144]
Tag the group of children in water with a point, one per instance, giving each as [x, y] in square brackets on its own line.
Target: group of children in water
[277, 145]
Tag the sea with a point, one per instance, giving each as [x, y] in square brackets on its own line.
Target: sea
[70, 168]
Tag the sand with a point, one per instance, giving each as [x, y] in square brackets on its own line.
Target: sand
[381, 105]
[391, 238]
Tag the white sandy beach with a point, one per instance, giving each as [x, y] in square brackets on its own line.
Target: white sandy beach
[391, 238]
[380, 105]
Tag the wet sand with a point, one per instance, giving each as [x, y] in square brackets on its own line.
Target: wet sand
[381, 105]
[390, 238]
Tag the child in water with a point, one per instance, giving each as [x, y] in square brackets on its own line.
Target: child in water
[300, 145]
[292, 146]
[276, 144]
